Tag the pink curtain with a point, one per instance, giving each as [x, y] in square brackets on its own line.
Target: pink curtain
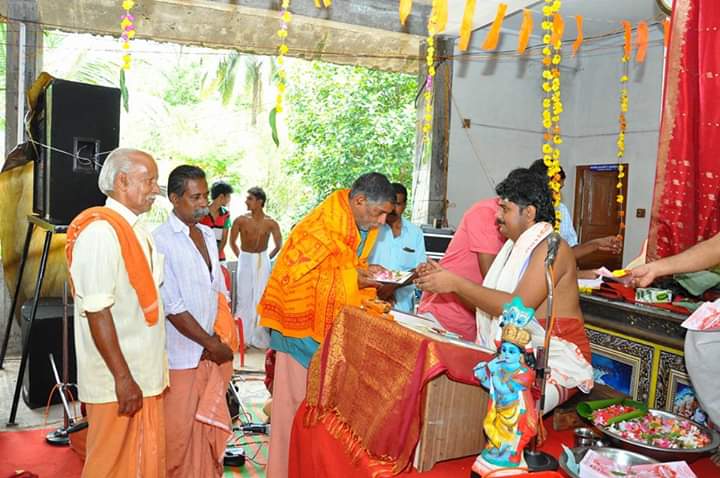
[687, 182]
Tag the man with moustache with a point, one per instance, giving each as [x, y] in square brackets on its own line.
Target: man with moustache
[400, 246]
[525, 216]
[322, 268]
[115, 270]
[195, 301]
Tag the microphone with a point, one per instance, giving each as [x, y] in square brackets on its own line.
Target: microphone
[553, 245]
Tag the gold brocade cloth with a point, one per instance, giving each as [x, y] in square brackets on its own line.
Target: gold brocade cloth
[366, 381]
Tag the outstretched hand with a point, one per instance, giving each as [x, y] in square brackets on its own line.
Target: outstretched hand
[366, 277]
[433, 278]
[612, 244]
[643, 276]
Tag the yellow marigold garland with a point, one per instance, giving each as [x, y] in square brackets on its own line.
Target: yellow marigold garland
[552, 104]
[282, 33]
[127, 26]
[430, 62]
[622, 120]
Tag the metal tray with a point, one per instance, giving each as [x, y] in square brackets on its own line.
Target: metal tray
[666, 454]
[622, 457]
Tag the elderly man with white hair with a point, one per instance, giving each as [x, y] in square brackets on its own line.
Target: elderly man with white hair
[119, 322]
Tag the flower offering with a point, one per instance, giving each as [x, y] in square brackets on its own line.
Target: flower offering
[662, 432]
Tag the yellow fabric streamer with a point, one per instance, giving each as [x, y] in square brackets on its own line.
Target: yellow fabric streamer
[441, 15]
[525, 30]
[405, 9]
[558, 29]
[579, 39]
[493, 35]
[317, 3]
[466, 24]
[327, 3]
[642, 41]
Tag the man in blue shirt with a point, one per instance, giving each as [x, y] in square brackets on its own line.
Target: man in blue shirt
[400, 246]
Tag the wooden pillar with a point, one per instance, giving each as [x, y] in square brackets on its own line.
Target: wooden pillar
[431, 163]
[23, 63]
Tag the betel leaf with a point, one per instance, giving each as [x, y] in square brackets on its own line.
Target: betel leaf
[124, 91]
[273, 127]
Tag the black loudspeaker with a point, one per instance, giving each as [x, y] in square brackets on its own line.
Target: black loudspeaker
[46, 338]
[77, 126]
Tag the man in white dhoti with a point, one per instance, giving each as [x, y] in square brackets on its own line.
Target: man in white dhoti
[702, 347]
[525, 217]
[253, 270]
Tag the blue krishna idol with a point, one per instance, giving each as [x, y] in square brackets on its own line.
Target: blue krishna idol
[511, 419]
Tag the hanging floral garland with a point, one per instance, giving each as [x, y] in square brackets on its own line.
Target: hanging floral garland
[127, 27]
[552, 106]
[622, 126]
[430, 64]
[282, 33]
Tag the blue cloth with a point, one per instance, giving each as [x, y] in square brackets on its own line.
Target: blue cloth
[302, 349]
[363, 240]
[567, 231]
[401, 253]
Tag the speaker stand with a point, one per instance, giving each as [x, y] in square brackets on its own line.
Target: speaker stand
[50, 229]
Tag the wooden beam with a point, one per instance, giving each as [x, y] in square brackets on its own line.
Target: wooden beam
[430, 175]
[377, 14]
[233, 25]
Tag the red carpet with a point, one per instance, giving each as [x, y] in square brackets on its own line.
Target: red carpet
[27, 450]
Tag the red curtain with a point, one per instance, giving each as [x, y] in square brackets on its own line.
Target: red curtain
[687, 182]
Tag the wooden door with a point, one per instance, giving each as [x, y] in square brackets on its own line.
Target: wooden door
[596, 210]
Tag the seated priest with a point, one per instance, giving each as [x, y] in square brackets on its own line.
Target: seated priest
[400, 247]
[525, 215]
[702, 348]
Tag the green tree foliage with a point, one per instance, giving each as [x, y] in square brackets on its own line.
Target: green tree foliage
[183, 84]
[346, 121]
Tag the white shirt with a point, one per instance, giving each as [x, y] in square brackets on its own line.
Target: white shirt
[567, 231]
[189, 286]
[101, 280]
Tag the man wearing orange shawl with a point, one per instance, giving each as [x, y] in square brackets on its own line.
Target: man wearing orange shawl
[322, 267]
[115, 271]
[201, 334]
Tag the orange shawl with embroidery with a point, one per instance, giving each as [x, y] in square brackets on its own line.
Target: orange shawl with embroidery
[315, 275]
[136, 263]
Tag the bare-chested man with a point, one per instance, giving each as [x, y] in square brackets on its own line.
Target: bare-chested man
[525, 217]
[254, 229]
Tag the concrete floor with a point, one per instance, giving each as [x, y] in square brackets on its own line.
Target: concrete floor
[249, 380]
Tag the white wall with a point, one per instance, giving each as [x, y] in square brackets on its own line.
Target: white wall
[502, 99]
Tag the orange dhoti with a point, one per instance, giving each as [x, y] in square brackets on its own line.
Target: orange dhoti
[121, 446]
[197, 421]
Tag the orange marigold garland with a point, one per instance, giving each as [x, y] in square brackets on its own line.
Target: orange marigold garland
[552, 103]
[282, 33]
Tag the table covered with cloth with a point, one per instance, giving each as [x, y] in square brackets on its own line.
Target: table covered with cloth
[365, 386]
[315, 453]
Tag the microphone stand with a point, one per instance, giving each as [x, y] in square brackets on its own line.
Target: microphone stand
[61, 436]
[538, 460]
